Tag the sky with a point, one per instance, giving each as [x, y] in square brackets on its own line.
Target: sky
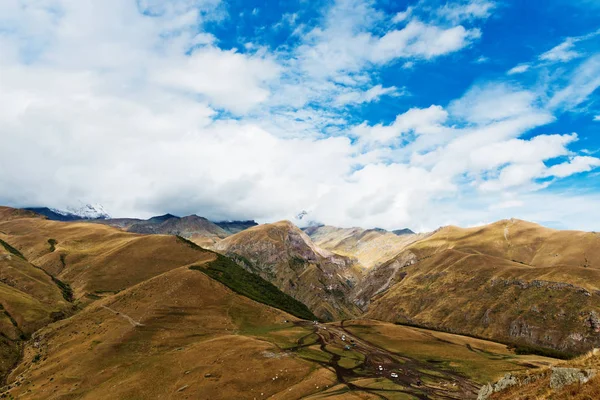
[367, 113]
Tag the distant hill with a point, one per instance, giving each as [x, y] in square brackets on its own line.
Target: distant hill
[371, 247]
[404, 231]
[233, 227]
[198, 229]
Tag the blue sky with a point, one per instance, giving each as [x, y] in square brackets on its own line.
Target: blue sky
[361, 112]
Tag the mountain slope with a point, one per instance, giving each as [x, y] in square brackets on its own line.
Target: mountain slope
[371, 247]
[512, 281]
[142, 300]
[198, 229]
[29, 298]
[233, 227]
[96, 259]
[285, 256]
[179, 334]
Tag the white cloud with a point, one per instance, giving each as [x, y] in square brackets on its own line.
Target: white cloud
[346, 43]
[493, 102]
[370, 95]
[228, 79]
[465, 11]
[519, 69]
[403, 15]
[147, 114]
[563, 52]
[421, 121]
[573, 166]
[420, 40]
[584, 80]
[507, 204]
[597, 118]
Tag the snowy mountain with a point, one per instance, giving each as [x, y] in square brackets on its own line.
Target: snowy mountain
[87, 211]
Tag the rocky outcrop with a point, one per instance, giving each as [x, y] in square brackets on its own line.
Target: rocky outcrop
[507, 381]
[593, 321]
[559, 378]
[566, 376]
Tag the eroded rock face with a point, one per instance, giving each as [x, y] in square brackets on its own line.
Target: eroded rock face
[566, 376]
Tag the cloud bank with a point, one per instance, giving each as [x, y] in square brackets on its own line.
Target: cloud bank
[137, 106]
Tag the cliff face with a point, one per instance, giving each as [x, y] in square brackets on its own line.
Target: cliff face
[285, 256]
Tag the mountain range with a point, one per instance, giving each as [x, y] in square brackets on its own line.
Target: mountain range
[105, 307]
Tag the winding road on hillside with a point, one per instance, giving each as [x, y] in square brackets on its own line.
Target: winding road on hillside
[401, 375]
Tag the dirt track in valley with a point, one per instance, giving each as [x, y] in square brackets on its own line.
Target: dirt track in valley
[423, 380]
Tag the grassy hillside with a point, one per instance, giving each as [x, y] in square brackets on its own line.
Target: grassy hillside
[511, 281]
[562, 382]
[285, 256]
[178, 334]
[149, 325]
[29, 299]
[252, 286]
[94, 259]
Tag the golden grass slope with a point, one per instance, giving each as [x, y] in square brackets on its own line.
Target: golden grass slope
[285, 256]
[177, 335]
[511, 280]
[96, 259]
[370, 247]
[29, 298]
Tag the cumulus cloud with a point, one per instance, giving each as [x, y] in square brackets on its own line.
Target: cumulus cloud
[346, 42]
[135, 105]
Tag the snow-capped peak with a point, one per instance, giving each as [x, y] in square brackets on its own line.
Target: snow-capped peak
[89, 211]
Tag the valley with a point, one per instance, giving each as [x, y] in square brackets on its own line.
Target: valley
[95, 310]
